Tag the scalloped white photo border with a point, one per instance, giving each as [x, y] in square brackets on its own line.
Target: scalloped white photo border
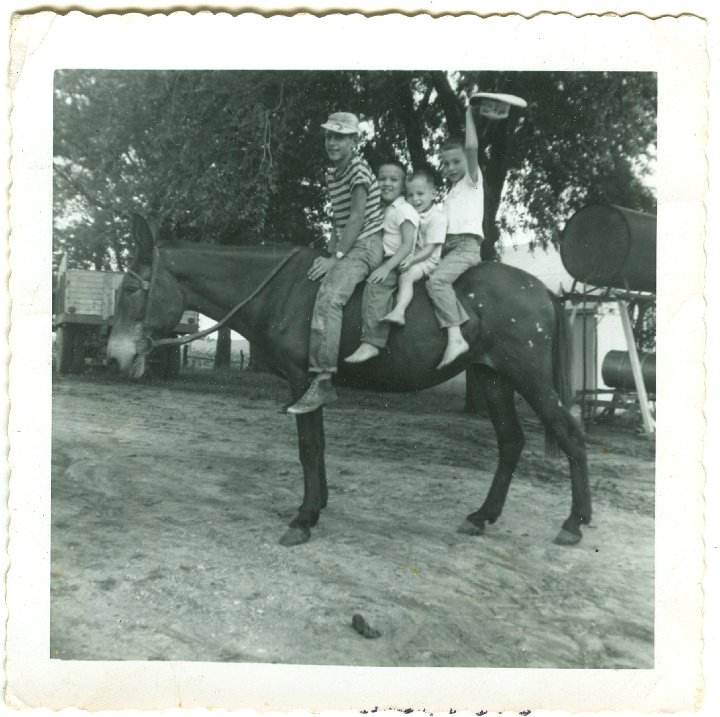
[675, 48]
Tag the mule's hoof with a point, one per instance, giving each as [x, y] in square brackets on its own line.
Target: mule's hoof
[468, 528]
[565, 537]
[295, 536]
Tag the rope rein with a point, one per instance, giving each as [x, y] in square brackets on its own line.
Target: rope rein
[144, 283]
[180, 340]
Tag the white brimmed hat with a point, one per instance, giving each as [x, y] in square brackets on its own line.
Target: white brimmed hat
[495, 105]
[342, 123]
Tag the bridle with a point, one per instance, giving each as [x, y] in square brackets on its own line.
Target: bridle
[148, 343]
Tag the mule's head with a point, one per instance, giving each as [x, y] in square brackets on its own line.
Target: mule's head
[150, 304]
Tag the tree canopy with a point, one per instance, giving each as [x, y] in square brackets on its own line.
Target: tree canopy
[237, 156]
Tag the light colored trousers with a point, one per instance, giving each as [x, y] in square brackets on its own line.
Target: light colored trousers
[378, 302]
[336, 288]
[460, 252]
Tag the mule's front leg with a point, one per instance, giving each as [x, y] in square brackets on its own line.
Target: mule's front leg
[311, 444]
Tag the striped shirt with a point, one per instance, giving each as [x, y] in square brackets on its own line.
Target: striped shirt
[357, 173]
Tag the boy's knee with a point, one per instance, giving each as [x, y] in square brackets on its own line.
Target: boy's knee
[434, 281]
[337, 300]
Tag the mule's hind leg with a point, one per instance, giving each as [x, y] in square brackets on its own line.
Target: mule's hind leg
[500, 399]
[562, 427]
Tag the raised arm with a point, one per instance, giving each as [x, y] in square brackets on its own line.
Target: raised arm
[471, 146]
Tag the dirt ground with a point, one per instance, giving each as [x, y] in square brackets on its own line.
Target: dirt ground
[168, 500]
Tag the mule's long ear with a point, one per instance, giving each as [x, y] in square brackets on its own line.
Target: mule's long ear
[144, 238]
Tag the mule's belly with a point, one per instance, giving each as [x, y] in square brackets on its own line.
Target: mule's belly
[408, 362]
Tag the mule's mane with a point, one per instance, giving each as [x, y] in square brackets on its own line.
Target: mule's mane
[203, 248]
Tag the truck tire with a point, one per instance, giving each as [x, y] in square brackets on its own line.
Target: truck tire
[70, 342]
[171, 362]
[78, 359]
[164, 362]
[64, 349]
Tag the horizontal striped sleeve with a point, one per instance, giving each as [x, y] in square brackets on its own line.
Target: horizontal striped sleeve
[339, 192]
[357, 173]
[373, 212]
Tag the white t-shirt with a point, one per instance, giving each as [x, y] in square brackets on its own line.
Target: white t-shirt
[465, 206]
[397, 213]
[433, 227]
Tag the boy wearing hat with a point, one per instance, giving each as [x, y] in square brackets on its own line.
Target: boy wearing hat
[356, 250]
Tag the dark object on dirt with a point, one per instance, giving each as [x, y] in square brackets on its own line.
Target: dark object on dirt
[517, 333]
[360, 625]
[605, 245]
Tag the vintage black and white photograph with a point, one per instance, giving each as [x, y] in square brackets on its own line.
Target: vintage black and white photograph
[181, 195]
[355, 365]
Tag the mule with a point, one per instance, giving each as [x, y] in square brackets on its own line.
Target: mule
[517, 332]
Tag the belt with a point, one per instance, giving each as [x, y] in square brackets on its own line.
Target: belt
[477, 237]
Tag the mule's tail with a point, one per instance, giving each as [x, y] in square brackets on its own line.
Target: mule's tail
[562, 367]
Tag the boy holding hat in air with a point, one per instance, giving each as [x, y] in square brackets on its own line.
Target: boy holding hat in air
[464, 207]
[356, 250]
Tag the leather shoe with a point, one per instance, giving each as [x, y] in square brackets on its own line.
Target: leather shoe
[320, 392]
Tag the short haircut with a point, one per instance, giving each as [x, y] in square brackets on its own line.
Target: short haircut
[393, 163]
[452, 143]
[427, 174]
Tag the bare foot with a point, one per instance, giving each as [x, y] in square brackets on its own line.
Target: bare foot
[452, 351]
[393, 318]
[363, 353]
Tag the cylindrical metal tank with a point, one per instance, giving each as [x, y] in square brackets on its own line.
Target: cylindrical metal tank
[605, 245]
[617, 371]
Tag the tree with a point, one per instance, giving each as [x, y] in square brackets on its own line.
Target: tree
[237, 157]
[197, 148]
[223, 349]
[585, 137]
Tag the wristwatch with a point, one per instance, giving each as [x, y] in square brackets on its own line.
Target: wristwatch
[339, 254]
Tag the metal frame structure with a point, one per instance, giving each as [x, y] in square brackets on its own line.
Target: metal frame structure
[621, 297]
